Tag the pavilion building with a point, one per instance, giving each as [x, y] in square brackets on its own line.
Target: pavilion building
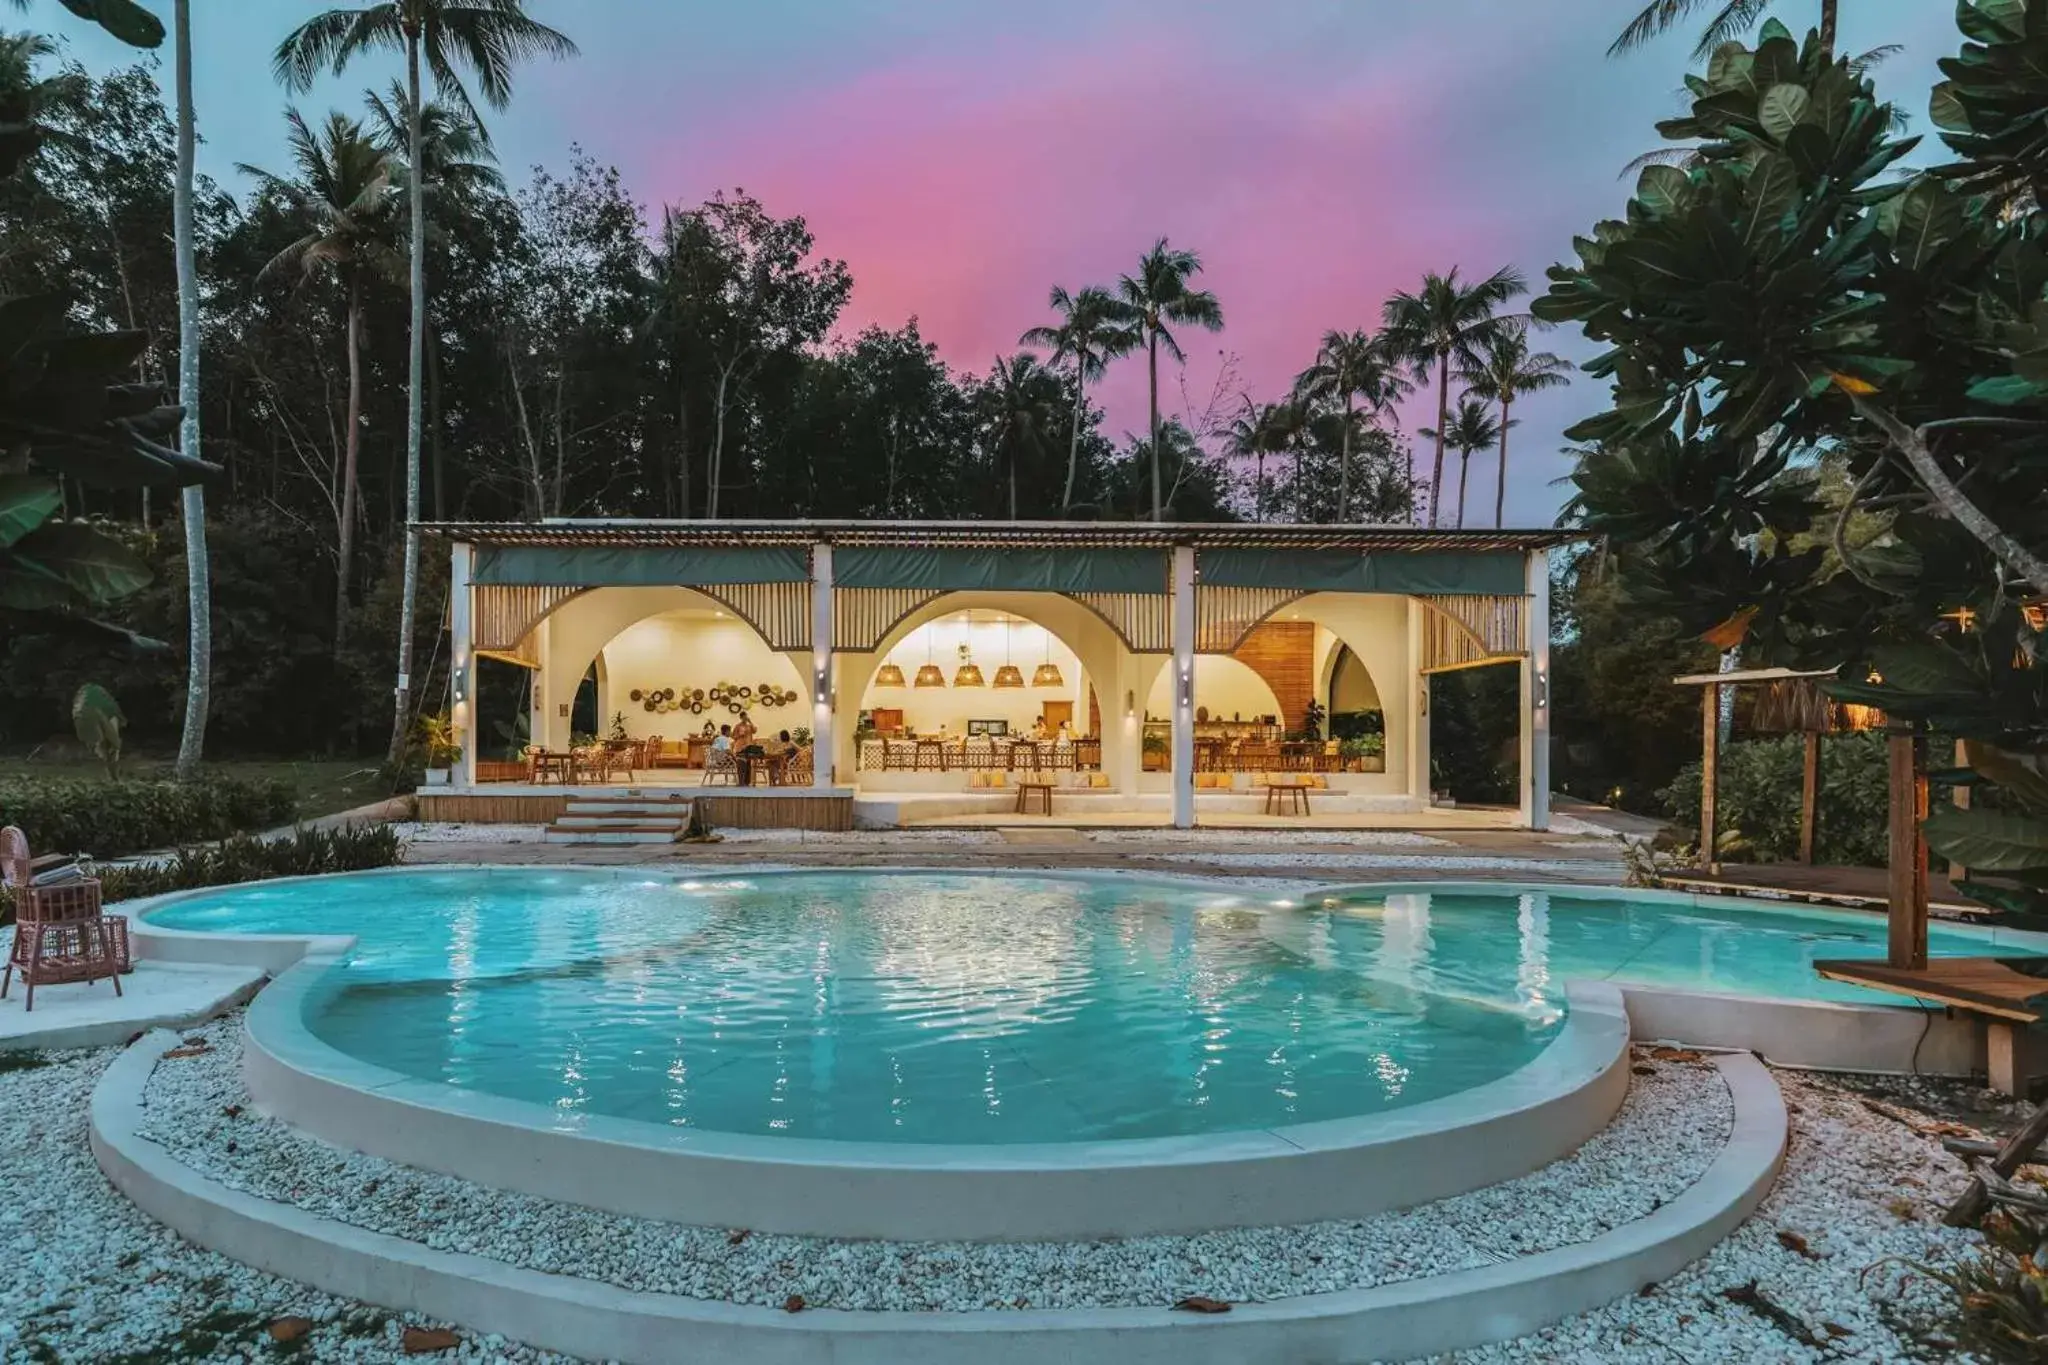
[1156, 673]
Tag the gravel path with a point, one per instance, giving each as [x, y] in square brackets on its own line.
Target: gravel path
[1863, 1195]
[90, 1278]
[1675, 1121]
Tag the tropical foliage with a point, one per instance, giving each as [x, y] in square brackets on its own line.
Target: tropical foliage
[1784, 304]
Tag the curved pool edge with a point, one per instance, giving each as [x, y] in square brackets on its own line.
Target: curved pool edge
[1402, 1320]
[1337, 1168]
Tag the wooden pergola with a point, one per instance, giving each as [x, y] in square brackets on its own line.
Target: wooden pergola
[2007, 999]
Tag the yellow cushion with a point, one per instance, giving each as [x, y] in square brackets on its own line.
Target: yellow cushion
[1098, 779]
[1319, 782]
[997, 780]
[977, 780]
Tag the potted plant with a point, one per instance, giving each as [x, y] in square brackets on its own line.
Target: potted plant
[437, 738]
[1156, 750]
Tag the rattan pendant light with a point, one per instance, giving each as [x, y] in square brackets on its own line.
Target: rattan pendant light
[889, 675]
[968, 674]
[1009, 675]
[1047, 674]
[929, 675]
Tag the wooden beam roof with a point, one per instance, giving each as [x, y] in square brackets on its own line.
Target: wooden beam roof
[635, 532]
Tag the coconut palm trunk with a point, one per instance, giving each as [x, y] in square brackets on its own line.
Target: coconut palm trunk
[1443, 417]
[198, 571]
[1152, 363]
[1464, 464]
[1344, 466]
[416, 366]
[1074, 438]
[351, 446]
[1500, 486]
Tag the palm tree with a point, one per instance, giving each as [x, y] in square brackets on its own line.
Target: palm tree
[1093, 332]
[1022, 417]
[341, 190]
[1732, 19]
[1349, 366]
[1156, 296]
[1471, 428]
[489, 37]
[198, 571]
[1445, 325]
[1504, 373]
[459, 158]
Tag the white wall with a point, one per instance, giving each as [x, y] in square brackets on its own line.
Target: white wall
[694, 648]
[1229, 689]
[1025, 644]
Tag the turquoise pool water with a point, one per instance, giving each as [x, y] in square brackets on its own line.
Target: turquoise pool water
[955, 1008]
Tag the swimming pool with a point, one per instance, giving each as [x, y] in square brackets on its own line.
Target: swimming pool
[1002, 1008]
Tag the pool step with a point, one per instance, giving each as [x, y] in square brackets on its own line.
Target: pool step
[604, 821]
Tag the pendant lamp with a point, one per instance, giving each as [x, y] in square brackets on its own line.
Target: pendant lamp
[889, 675]
[929, 675]
[968, 675]
[1047, 674]
[1009, 675]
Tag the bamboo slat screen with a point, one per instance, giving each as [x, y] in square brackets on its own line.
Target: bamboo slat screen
[1224, 616]
[1463, 632]
[1143, 620]
[780, 611]
[863, 617]
[504, 615]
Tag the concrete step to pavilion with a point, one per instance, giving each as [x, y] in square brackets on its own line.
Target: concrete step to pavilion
[600, 821]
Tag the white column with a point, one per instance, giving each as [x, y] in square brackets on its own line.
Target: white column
[1535, 808]
[462, 707]
[823, 695]
[1418, 710]
[1183, 687]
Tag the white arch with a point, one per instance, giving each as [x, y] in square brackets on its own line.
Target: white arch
[1118, 676]
[575, 634]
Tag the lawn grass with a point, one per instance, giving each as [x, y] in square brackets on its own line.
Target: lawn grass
[324, 786]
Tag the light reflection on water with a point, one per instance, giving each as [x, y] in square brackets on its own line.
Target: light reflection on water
[957, 1008]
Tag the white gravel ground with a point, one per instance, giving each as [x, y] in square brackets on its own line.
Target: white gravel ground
[90, 1278]
[418, 832]
[1864, 1192]
[1349, 838]
[1674, 1123]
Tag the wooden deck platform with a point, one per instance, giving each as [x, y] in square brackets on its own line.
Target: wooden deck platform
[1983, 985]
[2010, 993]
[1859, 888]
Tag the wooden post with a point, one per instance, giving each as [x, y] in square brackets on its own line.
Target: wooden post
[1907, 940]
[1710, 768]
[1960, 795]
[1809, 797]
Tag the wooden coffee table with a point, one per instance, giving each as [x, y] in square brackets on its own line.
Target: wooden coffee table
[1030, 793]
[1292, 795]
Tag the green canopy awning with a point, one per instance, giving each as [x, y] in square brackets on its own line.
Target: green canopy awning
[994, 570]
[612, 566]
[1419, 571]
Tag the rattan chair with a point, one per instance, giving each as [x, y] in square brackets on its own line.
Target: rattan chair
[60, 933]
[721, 765]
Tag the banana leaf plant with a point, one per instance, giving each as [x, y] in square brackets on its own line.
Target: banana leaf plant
[68, 410]
[1827, 442]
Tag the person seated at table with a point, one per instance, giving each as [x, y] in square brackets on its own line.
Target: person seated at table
[744, 732]
[710, 730]
[724, 740]
[1038, 731]
[784, 744]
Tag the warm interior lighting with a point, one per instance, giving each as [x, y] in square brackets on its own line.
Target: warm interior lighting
[889, 676]
[968, 675]
[930, 676]
[1009, 675]
[1047, 674]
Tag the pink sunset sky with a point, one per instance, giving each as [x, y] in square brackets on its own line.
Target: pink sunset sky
[964, 156]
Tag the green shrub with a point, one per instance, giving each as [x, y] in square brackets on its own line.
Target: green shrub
[1758, 799]
[305, 852]
[108, 819]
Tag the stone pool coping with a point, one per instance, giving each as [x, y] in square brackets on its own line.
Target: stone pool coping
[596, 1320]
[1338, 1168]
